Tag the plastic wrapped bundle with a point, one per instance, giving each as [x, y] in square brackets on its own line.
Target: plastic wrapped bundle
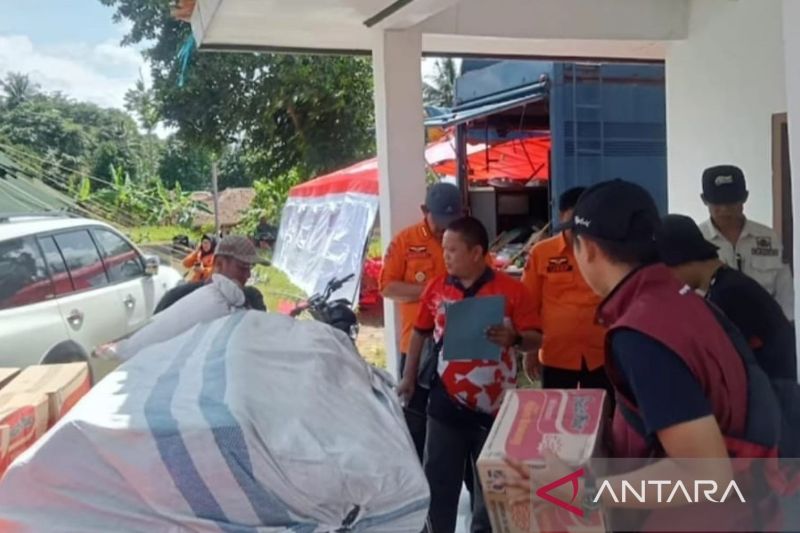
[253, 422]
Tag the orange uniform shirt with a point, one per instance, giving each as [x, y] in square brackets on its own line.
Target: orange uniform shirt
[207, 261]
[414, 256]
[567, 306]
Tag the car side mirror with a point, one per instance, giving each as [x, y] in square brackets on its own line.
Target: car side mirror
[151, 264]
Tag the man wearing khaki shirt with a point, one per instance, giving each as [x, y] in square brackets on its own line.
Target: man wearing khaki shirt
[745, 245]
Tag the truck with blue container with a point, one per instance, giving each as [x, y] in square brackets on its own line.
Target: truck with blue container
[604, 121]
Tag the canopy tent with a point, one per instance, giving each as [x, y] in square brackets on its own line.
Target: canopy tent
[518, 160]
[359, 178]
[326, 222]
[363, 177]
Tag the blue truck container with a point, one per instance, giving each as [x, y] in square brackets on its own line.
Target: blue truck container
[605, 120]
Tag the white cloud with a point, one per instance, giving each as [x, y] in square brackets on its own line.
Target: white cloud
[99, 73]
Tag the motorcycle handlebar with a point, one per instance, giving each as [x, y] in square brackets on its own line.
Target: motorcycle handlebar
[333, 286]
[336, 284]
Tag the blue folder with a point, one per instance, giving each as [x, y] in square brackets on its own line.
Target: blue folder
[466, 325]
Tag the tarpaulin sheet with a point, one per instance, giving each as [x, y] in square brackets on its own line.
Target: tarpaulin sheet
[255, 422]
[519, 160]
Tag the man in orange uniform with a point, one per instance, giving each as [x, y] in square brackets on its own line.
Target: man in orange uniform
[414, 258]
[571, 354]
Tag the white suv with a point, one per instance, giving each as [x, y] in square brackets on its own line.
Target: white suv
[68, 285]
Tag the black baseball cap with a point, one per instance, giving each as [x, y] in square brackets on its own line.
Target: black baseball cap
[680, 241]
[724, 184]
[616, 211]
[443, 202]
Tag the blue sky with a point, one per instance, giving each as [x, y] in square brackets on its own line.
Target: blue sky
[73, 46]
[70, 46]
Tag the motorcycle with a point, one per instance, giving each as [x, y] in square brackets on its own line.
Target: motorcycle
[337, 313]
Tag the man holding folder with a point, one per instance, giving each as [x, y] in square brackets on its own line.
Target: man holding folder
[467, 392]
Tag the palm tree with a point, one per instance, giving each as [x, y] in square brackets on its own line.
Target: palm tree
[17, 88]
[439, 89]
[141, 102]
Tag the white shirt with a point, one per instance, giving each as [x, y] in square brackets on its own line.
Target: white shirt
[214, 300]
[759, 254]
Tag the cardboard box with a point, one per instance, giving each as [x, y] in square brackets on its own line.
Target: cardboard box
[5, 437]
[63, 385]
[567, 422]
[6, 375]
[23, 419]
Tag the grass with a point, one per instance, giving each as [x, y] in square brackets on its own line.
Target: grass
[160, 234]
[375, 249]
[275, 286]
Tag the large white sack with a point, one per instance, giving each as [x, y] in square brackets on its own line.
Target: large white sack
[253, 422]
[219, 298]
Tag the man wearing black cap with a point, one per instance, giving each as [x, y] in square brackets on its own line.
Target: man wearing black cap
[743, 244]
[680, 383]
[649, 320]
[752, 310]
[414, 258]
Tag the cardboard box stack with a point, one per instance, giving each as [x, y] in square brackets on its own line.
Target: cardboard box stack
[567, 422]
[6, 375]
[63, 385]
[33, 400]
[23, 419]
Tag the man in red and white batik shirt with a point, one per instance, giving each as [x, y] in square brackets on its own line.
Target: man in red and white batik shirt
[466, 394]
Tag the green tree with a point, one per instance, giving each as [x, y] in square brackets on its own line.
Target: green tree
[188, 165]
[312, 113]
[17, 89]
[140, 101]
[67, 138]
[271, 195]
[439, 89]
[40, 127]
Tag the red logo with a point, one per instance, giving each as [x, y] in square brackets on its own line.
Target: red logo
[544, 492]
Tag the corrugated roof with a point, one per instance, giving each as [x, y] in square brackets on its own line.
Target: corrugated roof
[21, 194]
[233, 203]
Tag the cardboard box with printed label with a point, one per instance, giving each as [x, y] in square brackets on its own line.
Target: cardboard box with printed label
[5, 437]
[23, 419]
[6, 375]
[63, 385]
[567, 422]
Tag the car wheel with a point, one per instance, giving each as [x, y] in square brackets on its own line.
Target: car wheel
[67, 352]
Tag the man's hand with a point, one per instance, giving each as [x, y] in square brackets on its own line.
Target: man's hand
[403, 292]
[405, 389]
[502, 335]
[532, 366]
[198, 267]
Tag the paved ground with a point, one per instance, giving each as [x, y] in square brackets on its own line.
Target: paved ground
[463, 512]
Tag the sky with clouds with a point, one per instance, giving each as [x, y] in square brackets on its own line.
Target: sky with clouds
[72, 46]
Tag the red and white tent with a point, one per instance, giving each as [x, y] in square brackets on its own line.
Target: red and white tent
[324, 227]
[326, 222]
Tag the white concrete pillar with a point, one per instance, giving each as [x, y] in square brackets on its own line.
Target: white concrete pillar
[399, 121]
[791, 53]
